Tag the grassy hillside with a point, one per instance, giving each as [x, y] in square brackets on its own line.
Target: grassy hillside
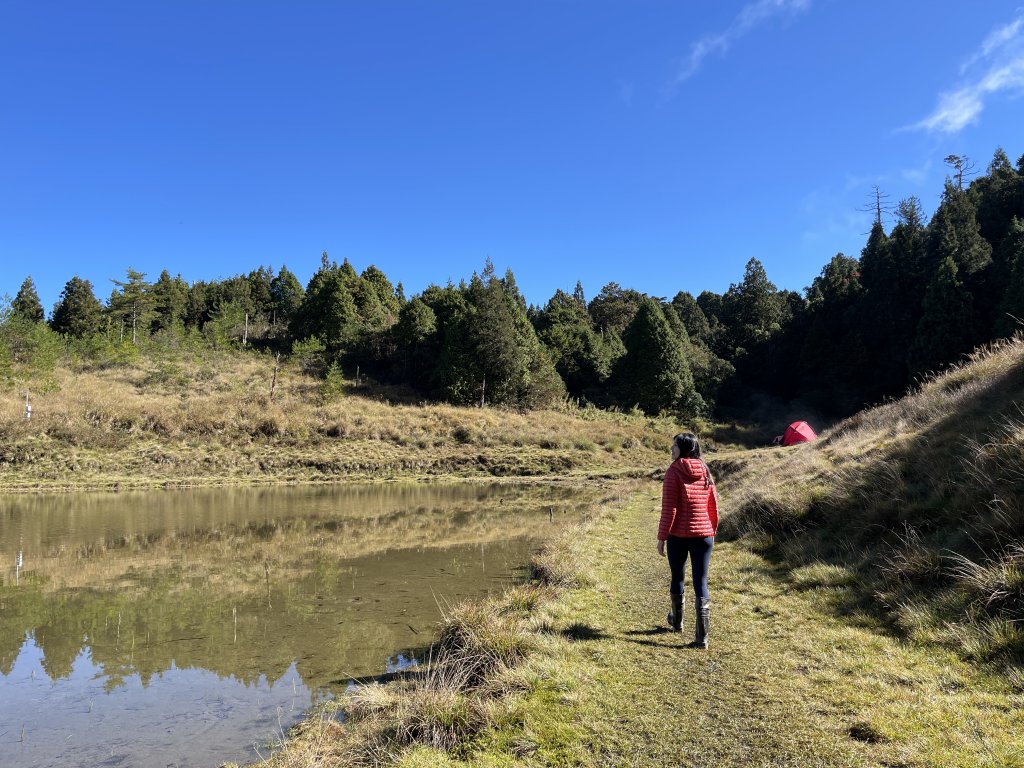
[866, 594]
[201, 417]
[915, 508]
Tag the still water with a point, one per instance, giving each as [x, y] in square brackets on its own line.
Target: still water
[190, 628]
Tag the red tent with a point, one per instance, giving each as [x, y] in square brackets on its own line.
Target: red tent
[798, 432]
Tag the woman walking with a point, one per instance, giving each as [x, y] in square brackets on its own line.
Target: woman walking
[689, 519]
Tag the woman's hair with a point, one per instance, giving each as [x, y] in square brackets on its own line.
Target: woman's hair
[688, 445]
[689, 448]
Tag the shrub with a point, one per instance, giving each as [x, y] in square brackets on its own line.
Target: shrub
[333, 385]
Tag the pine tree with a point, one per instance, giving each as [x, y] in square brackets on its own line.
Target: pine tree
[78, 312]
[456, 374]
[385, 292]
[26, 305]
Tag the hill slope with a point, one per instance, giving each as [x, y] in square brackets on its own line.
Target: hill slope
[916, 506]
[195, 417]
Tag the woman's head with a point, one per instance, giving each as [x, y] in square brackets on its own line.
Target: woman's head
[687, 444]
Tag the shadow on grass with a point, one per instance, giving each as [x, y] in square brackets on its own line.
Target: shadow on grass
[637, 635]
[580, 631]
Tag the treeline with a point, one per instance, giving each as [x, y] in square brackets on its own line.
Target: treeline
[920, 296]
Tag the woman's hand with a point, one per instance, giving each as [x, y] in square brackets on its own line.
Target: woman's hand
[661, 548]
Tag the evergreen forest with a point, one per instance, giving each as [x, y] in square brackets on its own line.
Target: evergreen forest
[920, 295]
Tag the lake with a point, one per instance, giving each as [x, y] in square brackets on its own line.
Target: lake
[194, 627]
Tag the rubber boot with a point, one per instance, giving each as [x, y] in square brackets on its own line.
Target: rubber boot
[703, 622]
[675, 616]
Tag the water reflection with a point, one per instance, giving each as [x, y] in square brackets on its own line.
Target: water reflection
[184, 627]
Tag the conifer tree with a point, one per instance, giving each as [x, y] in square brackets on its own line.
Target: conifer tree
[131, 304]
[328, 311]
[490, 352]
[944, 332]
[752, 310]
[385, 293]
[999, 197]
[456, 375]
[833, 354]
[693, 318]
[286, 294]
[197, 308]
[613, 309]
[515, 367]
[416, 342]
[170, 302]
[1010, 314]
[581, 358]
[26, 305]
[653, 374]
[260, 303]
[78, 312]
[955, 233]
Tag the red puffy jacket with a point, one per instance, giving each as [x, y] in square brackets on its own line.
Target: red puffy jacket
[689, 502]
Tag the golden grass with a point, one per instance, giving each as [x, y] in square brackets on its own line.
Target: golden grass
[208, 419]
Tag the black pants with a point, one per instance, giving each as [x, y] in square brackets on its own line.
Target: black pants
[699, 551]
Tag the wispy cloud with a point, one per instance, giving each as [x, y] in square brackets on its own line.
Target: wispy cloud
[751, 15]
[998, 65]
[918, 175]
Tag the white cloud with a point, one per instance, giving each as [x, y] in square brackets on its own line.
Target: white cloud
[1002, 57]
[748, 18]
[996, 39]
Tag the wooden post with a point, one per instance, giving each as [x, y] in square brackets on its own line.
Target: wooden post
[483, 390]
[28, 407]
[273, 381]
[245, 333]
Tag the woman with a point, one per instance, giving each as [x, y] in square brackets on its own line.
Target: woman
[689, 519]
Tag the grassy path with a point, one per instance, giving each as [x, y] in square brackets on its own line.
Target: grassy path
[787, 682]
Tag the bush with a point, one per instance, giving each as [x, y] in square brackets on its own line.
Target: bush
[311, 355]
[333, 385]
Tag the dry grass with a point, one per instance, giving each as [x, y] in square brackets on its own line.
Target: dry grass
[198, 417]
[468, 685]
[922, 499]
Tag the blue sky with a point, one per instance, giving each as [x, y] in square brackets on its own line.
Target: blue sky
[656, 144]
